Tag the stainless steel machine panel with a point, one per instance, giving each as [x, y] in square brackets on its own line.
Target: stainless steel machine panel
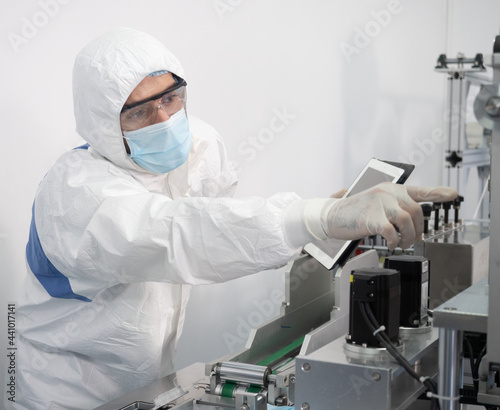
[458, 259]
[333, 378]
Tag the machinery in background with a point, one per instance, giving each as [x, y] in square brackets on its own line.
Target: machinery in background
[467, 159]
[457, 250]
[305, 357]
[369, 366]
[476, 308]
[319, 353]
[340, 342]
[458, 257]
[315, 312]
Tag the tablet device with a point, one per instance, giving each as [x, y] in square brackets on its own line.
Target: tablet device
[332, 253]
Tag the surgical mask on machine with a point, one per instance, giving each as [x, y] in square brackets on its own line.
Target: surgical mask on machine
[161, 147]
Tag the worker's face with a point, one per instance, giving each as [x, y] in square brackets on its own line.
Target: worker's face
[147, 88]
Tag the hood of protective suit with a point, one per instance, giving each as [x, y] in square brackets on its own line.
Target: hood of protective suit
[105, 73]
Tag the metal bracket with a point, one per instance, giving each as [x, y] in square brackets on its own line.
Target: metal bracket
[443, 61]
[250, 401]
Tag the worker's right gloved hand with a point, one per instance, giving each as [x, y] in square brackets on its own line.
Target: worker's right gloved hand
[387, 209]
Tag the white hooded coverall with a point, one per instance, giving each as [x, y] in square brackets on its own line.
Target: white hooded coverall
[113, 248]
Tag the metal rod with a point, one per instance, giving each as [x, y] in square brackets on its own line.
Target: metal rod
[450, 343]
[461, 113]
[243, 373]
[494, 257]
[450, 109]
[460, 60]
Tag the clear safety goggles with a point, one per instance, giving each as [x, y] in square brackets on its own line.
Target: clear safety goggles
[143, 113]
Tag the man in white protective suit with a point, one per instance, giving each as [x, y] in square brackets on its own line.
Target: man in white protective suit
[124, 225]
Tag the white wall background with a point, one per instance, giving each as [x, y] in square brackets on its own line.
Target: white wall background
[245, 61]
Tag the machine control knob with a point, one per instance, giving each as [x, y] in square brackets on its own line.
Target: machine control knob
[457, 201]
[447, 207]
[426, 210]
[437, 207]
[456, 206]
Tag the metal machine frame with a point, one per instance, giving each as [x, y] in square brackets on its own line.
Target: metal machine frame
[315, 309]
[476, 309]
[302, 358]
[461, 155]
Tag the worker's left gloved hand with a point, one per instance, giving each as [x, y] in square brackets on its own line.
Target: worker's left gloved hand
[387, 209]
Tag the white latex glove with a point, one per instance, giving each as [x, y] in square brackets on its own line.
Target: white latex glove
[378, 210]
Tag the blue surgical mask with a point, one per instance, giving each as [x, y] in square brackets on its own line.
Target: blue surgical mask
[161, 147]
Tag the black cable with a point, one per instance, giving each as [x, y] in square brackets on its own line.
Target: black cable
[474, 372]
[482, 353]
[401, 360]
[475, 368]
[474, 365]
[385, 341]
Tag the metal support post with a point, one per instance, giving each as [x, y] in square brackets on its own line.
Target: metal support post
[492, 108]
[450, 346]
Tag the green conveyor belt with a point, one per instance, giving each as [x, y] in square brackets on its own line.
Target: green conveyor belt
[282, 352]
[228, 389]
